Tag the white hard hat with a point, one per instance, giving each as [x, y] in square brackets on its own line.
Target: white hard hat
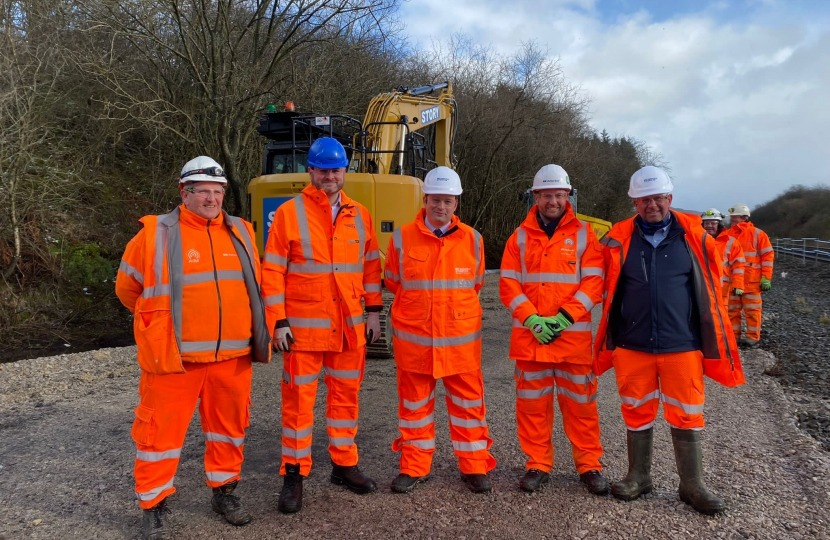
[713, 214]
[649, 181]
[442, 181]
[202, 169]
[739, 210]
[551, 177]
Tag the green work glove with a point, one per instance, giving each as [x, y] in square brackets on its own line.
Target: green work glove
[541, 331]
[737, 292]
[558, 322]
[765, 284]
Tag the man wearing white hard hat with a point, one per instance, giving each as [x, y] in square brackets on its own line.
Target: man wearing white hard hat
[663, 328]
[551, 278]
[760, 257]
[435, 268]
[732, 282]
[192, 280]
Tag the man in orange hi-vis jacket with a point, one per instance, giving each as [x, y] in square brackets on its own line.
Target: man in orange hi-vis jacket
[759, 256]
[191, 279]
[435, 268]
[321, 266]
[663, 328]
[551, 278]
[732, 283]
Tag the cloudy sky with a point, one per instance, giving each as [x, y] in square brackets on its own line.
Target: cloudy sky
[735, 95]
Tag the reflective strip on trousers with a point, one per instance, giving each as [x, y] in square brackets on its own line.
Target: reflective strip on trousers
[299, 379]
[415, 405]
[413, 424]
[216, 437]
[153, 493]
[153, 457]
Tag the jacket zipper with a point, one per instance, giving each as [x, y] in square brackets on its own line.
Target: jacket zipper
[218, 292]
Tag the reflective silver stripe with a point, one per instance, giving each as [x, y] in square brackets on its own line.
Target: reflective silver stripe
[738, 271]
[274, 299]
[584, 300]
[220, 476]
[477, 249]
[634, 402]
[641, 428]
[341, 423]
[391, 276]
[749, 254]
[296, 453]
[297, 433]
[361, 237]
[576, 379]
[465, 403]
[766, 263]
[373, 255]
[533, 375]
[302, 322]
[473, 446]
[467, 422]
[302, 226]
[299, 379]
[591, 271]
[534, 394]
[354, 321]
[415, 405]
[511, 274]
[579, 327]
[550, 277]
[766, 250]
[207, 277]
[153, 493]
[158, 456]
[412, 424]
[341, 441]
[323, 268]
[581, 244]
[372, 287]
[132, 272]
[427, 341]
[521, 240]
[518, 301]
[688, 408]
[397, 243]
[153, 292]
[423, 444]
[439, 284]
[346, 374]
[273, 258]
[579, 398]
[211, 436]
[208, 346]
[752, 306]
[753, 296]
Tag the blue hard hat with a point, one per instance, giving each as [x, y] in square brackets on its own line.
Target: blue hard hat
[327, 153]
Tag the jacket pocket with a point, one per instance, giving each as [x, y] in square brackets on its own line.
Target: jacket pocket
[143, 431]
[156, 341]
[304, 291]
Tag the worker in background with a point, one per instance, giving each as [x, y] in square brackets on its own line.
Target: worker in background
[663, 328]
[191, 278]
[759, 256]
[732, 282]
[435, 268]
[551, 278]
[321, 268]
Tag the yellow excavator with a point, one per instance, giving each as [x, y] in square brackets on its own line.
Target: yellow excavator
[405, 133]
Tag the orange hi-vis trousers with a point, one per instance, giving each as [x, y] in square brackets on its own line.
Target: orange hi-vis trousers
[468, 427]
[645, 379]
[343, 376]
[167, 402]
[750, 305]
[576, 390]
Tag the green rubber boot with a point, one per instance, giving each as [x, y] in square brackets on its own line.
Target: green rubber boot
[638, 480]
[689, 458]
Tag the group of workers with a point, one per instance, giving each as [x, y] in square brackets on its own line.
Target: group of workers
[206, 306]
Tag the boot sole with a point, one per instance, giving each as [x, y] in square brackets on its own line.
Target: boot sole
[285, 509]
[706, 511]
[411, 487]
[351, 487]
[630, 497]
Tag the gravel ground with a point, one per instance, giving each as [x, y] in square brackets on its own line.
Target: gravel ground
[66, 456]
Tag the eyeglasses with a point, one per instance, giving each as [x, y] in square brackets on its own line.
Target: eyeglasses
[657, 199]
[205, 193]
[209, 171]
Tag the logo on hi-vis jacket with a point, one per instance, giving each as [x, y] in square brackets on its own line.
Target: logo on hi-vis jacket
[193, 256]
[463, 270]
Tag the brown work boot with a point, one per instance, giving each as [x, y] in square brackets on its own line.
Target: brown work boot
[477, 483]
[228, 505]
[291, 495]
[533, 480]
[689, 458]
[353, 478]
[595, 482]
[638, 480]
[404, 483]
[154, 525]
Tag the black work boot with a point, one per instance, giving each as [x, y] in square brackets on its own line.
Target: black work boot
[154, 526]
[228, 505]
[689, 457]
[477, 483]
[403, 483]
[595, 482]
[638, 479]
[533, 480]
[353, 478]
[291, 496]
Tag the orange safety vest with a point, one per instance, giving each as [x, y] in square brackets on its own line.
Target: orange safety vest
[193, 285]
[436, 314]
[733, 261]
[721, 361]
[758, 252]
[316, 273]
[541, 275]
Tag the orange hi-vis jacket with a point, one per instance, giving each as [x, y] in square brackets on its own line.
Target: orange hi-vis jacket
[541, 275]
[193, 286]
[733, 262]
[721, 361]
[316, 273]
[436, 314]
[758, 252]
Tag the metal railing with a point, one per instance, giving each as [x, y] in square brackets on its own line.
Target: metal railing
[808, 249]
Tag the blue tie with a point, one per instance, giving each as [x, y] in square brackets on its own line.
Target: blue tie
[438, 233]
